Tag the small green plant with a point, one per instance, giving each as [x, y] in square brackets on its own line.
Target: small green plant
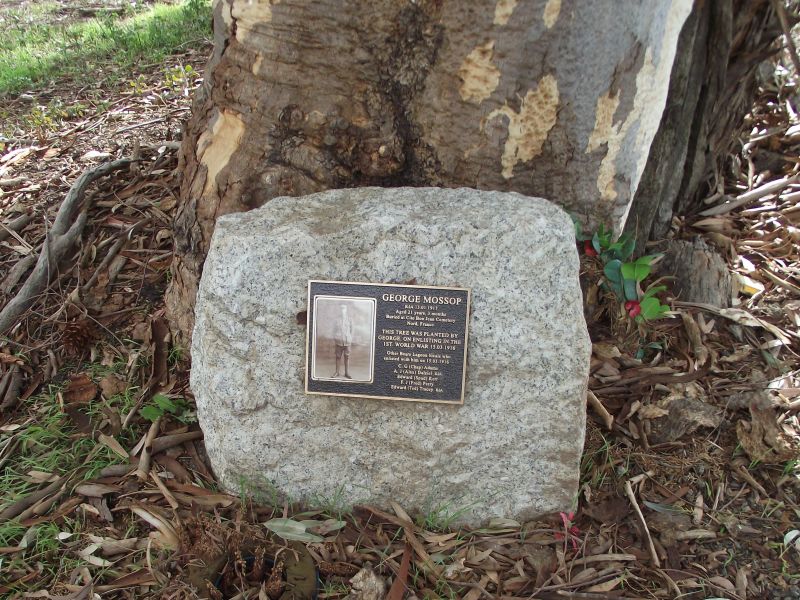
[335, 506]
[162, 405]
[624, 277]
[334, 588]
[176, 354]
[440, 517]
[139, 85]
[641, 352]
[178, 79]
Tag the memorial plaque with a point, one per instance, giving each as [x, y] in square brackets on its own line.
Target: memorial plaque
[387, 341]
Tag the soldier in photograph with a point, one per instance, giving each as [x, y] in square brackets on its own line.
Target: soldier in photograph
[343, 338]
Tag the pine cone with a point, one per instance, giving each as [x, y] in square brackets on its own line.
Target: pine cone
[78, 337]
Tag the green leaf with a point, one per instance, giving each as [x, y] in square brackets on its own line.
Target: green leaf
[624, 248]
[165, 403]
[629, 287]
[613, 271]
[151, 413]
[186, 416]
[637, 271]
[652, 291]
[662, 508]
[603, 236]
[289, 529]
[579, 234]
[652, 308]
[596, 244]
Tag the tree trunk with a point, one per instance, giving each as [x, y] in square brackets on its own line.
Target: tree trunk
[563, 99]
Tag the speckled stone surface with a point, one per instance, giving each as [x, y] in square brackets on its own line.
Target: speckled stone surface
[512, 450]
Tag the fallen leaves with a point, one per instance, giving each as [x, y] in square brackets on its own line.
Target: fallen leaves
[764, 440]
[682, 411]
[80, 390]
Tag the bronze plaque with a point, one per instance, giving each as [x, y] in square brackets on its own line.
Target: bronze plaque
[387, 341]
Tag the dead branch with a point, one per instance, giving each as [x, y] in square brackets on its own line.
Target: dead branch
[601, 411]
[18, 507]
[169, 441]
[16, 225]
[123, 239]
[10, 387]
[62, 237]
[635, 504]
[143, 468]
[787, 33]
[772, 187]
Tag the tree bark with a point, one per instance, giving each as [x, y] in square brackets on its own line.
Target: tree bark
[563, 99]
[712, 86]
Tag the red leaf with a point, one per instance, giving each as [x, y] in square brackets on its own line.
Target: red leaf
[398, 589]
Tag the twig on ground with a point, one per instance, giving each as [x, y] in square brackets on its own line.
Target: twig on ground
[169, 441]
[16, 225]
[18, 507]
[10, 387]
[67, 228]
[781, 282]
[635, 504]
[787, 34]
[601, 411]
[143, 469]
[124, 238]
[773, 187]
[744, 475]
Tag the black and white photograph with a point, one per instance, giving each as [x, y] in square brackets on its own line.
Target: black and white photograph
[343, 339]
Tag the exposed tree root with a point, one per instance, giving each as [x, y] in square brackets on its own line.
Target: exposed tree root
[63, 237]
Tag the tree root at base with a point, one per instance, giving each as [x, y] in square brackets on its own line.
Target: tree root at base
[63, 237]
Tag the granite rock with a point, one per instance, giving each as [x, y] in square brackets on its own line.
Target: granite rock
[512, 450]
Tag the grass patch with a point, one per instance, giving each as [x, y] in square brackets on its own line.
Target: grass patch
[34, 52]
[48, 443]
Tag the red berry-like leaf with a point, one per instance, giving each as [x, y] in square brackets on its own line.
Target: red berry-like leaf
[589, 249]
[634, 310]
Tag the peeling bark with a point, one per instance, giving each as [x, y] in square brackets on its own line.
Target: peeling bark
[712, 86]
[554, 98]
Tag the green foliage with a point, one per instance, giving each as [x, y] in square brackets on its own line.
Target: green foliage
[36, 50]
[580, 235]
[179, 79]
[176, 354]
[642, 351]
[439, 517]
[138, 85]
[638, 270]
[650, 305]
[162, 405]
[608, 249]
[624, 277]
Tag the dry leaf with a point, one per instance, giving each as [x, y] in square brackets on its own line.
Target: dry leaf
[605, 350]
[687, 412]
[95, 490]
[80, 390]
[166, 536]
[651, 411]
[763, 440]
[112, 384]
[367, 585]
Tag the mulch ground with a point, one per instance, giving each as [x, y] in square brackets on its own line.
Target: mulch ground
[689, 476]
